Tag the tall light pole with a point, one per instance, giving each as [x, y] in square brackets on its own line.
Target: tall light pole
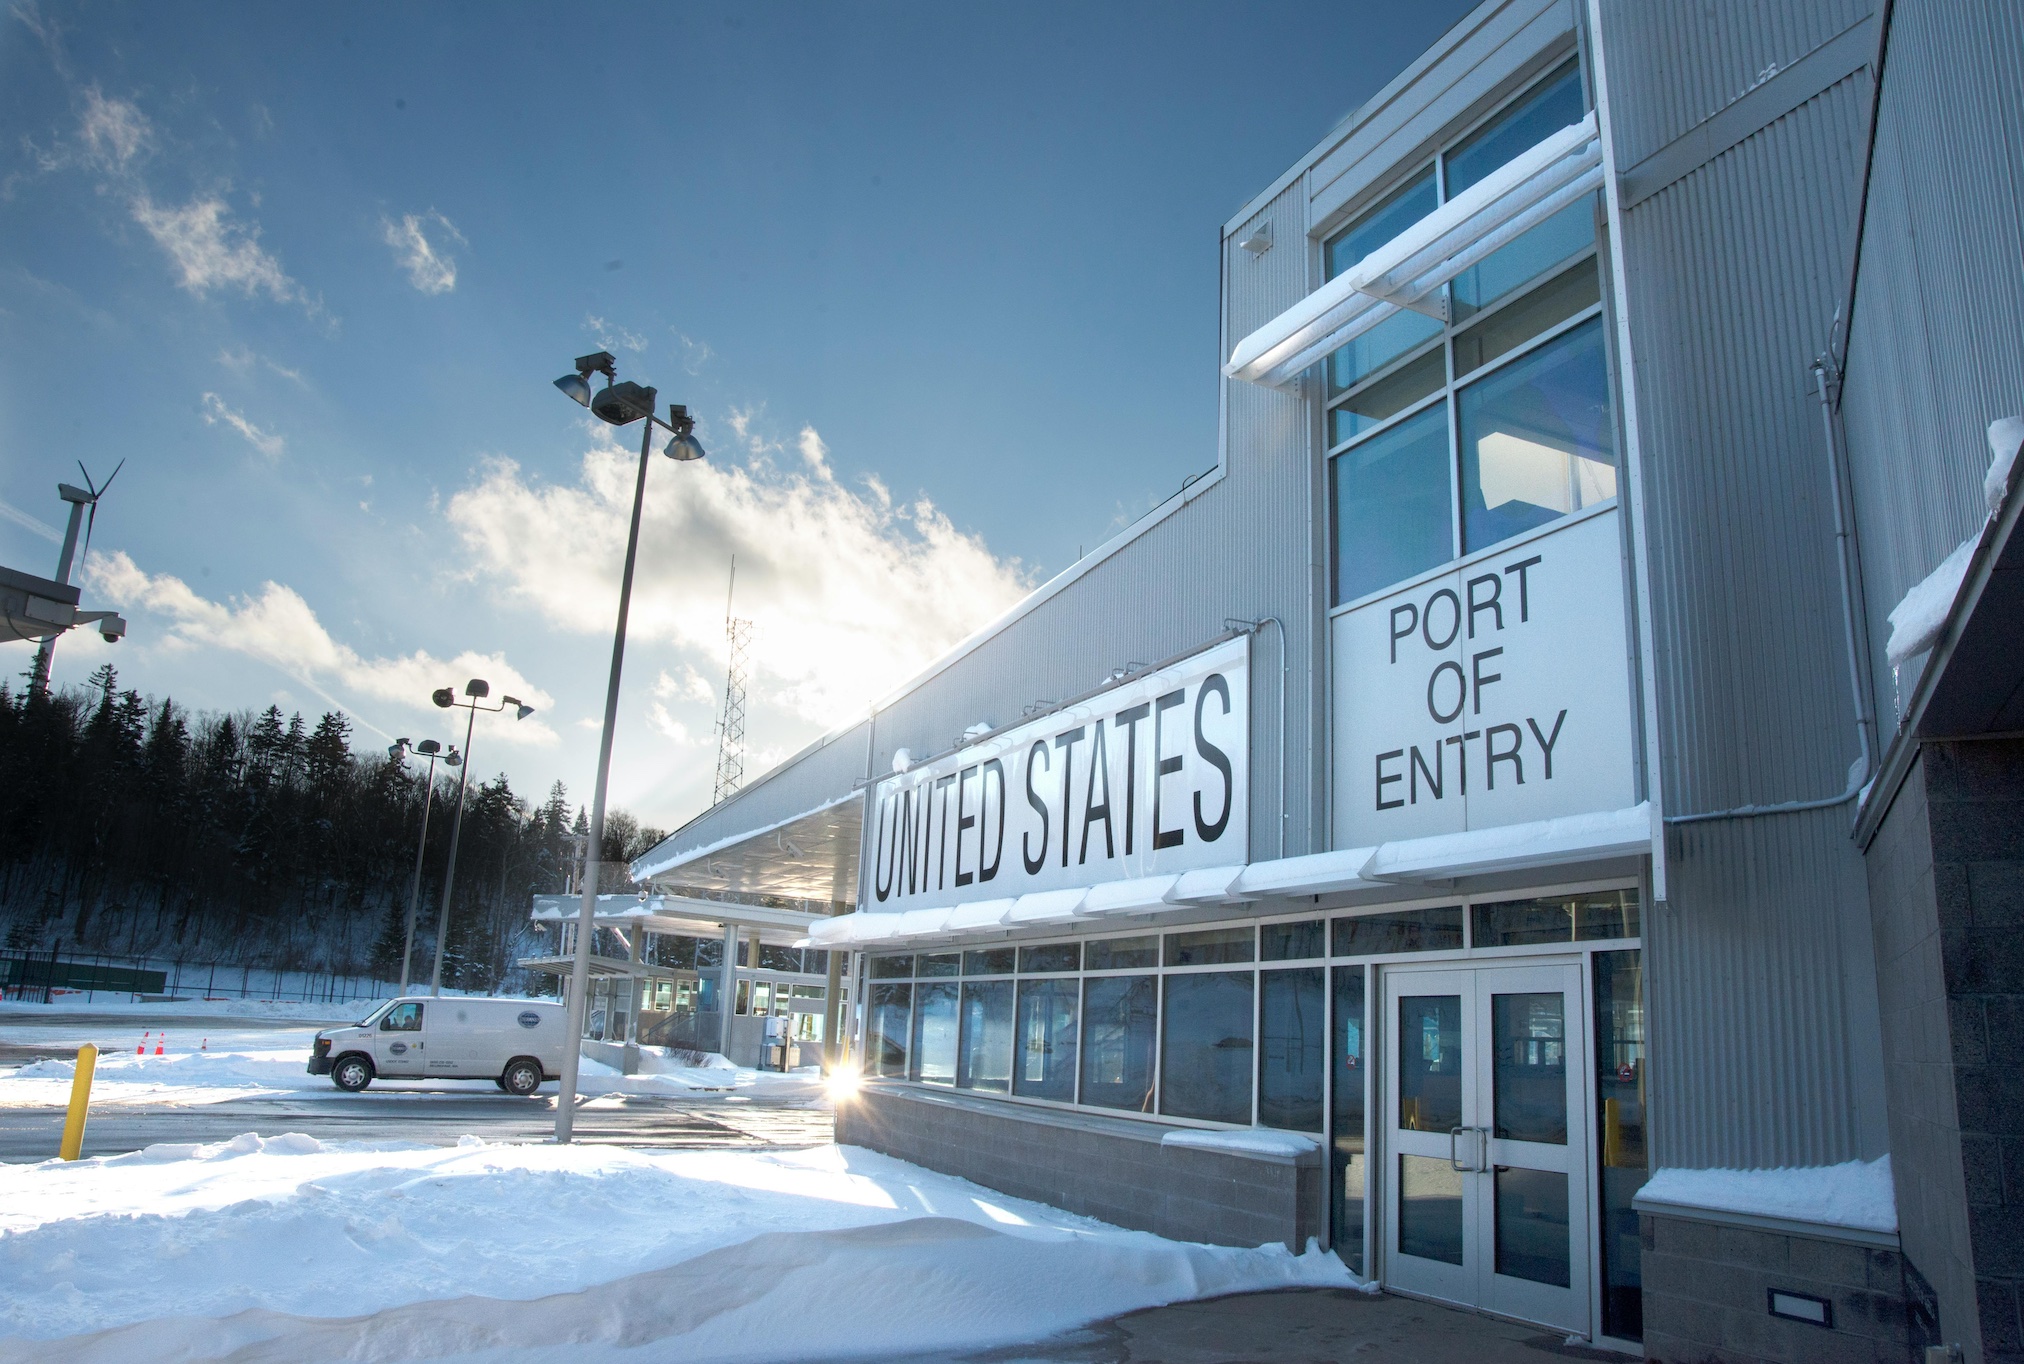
[621, 404]
[430, 749]
[476, 690]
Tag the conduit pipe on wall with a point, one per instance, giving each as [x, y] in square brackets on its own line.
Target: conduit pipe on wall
[1862, 770]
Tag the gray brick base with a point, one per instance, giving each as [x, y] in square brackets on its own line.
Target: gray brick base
[1109, 1168]
[1706, 1288]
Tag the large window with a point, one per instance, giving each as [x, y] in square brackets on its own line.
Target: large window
[1291, 1024]
[1449, 436]
[986, 1059]
[1205, 1055]
[1118, 1018]
[934, 1056]
[886, 1045]
[1044, 1065]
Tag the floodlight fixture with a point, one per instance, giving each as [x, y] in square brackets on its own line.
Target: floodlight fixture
[443, 697]
[576, 387]
[428, 747]
[684, 446]
[621, 404]
[478, 686]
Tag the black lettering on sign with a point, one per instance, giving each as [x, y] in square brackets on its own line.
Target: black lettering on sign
[1130, 718]
[1065, 744]
[1546, 741]
[1420, 769]
[1461, 692]
[1035, 861]
[1491, 602]
[1524, 597]
[1399, 632]
[882, 863]
[942, 843]
[965, 821]
[1385, 779]
[1215, 757]
[1164, 767]
[903, 837]
[1461, 741]
[993, 768]
[1454, 620]
[1478, 680]
[1092, 808]
[1492, 757]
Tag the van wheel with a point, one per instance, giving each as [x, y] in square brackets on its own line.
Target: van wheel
[522, 1077]
[351, 1073]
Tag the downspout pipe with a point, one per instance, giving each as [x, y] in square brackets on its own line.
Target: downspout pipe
[1826, 384]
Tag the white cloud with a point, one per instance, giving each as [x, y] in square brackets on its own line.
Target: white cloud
[211, 251]
[813, 450]
[610, 336]
[241, 359]
[115, 132]
[266, 442]
[695, 354]
[278, 628]
[430, 266]
[852, 593]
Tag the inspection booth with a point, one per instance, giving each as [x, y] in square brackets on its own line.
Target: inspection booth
[662, 966]
[1451, 827]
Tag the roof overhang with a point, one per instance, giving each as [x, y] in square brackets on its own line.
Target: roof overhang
[811, 856]
[33, 608]
[1571, 841]
[683, 915]
[1409, 270]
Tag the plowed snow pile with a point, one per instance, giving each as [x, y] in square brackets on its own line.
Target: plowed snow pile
[287, 1249]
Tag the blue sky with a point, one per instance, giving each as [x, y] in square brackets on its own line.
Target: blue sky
[938, 281]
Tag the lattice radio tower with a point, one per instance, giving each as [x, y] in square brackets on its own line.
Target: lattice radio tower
[731, 728]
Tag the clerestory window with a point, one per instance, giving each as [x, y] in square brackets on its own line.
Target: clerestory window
[1489, 413]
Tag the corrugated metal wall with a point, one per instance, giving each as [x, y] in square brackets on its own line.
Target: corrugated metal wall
[1936, 344]
[1765, 1046]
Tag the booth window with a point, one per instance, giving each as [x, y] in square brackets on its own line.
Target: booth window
[1291, 1013]
[986, 1059]
[1044, 1064]
[886, 1045]
[1205, 1056]
[1119, 1015]
[934, 1051]
[1449, 436]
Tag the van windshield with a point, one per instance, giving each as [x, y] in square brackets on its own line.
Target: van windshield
[374, 1016]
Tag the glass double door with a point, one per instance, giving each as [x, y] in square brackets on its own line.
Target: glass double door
[1486, 1190]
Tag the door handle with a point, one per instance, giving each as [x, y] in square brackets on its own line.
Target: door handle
[1481, 1164]
[1453, 1164]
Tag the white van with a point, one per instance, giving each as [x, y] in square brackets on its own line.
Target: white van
[515, 1043]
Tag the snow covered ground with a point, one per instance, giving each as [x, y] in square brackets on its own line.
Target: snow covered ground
[210, 1061]
[287, 1249]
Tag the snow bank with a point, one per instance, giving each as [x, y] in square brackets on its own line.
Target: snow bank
[1854, 1194]
[1256, 1140]
[280, 1249]
[1916, 621]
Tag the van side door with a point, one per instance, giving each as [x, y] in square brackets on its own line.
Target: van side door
[397, 1045]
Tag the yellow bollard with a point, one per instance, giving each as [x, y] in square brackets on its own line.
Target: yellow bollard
[80, 1100]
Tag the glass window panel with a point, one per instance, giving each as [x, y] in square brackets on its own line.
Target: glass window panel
[1060, 956]
[744, 997]
[1532, 1224]
[1398, 211]
[1210, 947]
[1346, 1104]
[1290, 1028]
[886, 1039]
[1378, 347]
[1430, 1062]
[1119, 954]
[934, 1053]
[1044, 1065]
[1537, 439]
[1588, 917]
[1393, 510]
[1539, 311]
[1528, 1041]
[941, 964]
[1205, 1059]
[1567, 234]
[882, 968]
[989, 961]
[1294, 941]
[762, 997]
[1379, 402]
[1430, 1209]
[1119, 1014]
[1549, 106]
[985, 1061]
[1620, 1088]
[1438, 929]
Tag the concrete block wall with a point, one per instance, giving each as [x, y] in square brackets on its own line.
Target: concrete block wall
[1706, 1297]
[1108, 1168]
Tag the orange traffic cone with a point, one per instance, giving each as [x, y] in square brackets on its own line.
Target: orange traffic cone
[206, 1046]
[142, 1048]
[158, 1043]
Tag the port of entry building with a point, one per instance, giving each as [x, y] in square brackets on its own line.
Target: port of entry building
[1556, 758]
